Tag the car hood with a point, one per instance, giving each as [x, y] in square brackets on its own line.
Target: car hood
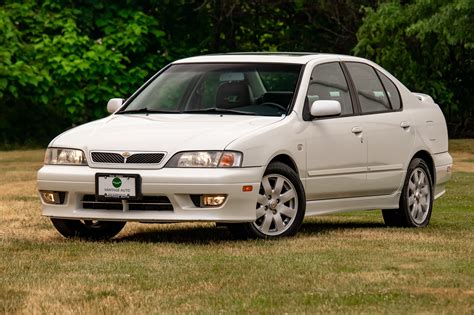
[161, 132]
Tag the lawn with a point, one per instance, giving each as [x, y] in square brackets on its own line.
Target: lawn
[348, 263]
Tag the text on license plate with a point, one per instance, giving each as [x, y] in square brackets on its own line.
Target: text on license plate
[116, 186]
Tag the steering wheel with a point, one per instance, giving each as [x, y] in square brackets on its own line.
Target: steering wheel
[271, 104]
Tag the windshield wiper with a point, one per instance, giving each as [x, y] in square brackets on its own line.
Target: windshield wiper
[218, 111]
[147, 111]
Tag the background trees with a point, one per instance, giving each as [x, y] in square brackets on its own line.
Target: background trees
[60, 61]
[429, 46]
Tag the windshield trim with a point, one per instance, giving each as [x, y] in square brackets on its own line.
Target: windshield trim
[297, 90]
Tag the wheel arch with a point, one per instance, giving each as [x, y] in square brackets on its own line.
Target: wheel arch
[285, 159]
[426, 156]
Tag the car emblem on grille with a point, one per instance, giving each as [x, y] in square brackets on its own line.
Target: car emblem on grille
[126, 154]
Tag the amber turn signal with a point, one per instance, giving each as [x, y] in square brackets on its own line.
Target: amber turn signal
[247, 188]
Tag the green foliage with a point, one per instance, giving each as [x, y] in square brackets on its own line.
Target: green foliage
[60, 64]
[428, 45]
[60, 61]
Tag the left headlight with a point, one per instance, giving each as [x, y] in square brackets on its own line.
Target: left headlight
[65, 156]
[206, 159]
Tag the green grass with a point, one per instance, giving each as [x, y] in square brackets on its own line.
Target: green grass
[348, 263]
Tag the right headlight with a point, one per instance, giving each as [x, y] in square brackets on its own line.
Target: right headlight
[206, 159]
[64, 156]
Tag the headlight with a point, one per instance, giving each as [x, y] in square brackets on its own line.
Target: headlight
[206, 159]
[64, 156]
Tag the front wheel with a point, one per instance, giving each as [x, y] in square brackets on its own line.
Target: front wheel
[88, 229]
[280, 205]
[416, 201]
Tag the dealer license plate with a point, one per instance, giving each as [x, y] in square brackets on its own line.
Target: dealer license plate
[118, 186]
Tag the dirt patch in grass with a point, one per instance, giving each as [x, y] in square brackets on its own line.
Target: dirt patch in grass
[463, 162]
[462, 151]
[461, 145]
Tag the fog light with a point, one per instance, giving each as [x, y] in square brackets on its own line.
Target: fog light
[213, 200]
[52, 197]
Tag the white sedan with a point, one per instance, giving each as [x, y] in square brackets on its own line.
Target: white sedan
[252, 141]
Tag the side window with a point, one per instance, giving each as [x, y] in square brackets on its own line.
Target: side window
[370, 91]
[328, 83]
[392, 91]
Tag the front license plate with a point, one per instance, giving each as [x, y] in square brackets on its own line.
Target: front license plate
[117, 186]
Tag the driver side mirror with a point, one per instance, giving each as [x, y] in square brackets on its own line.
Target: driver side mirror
[325, 108]
[114, 104]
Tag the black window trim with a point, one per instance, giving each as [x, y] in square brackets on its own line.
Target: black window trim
[355, 105]
[352, 89]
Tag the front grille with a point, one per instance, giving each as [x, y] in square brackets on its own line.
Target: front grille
[145, 158]
[107, 157]
[137, 158]
[148, 203]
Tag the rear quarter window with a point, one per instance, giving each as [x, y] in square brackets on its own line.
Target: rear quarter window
[392, 91]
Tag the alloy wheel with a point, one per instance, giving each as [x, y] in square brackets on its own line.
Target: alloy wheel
[277, 205]
[419, 195]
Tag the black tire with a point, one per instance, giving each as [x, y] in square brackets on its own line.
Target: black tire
[413, 195]
[88, 229]
[251, 230]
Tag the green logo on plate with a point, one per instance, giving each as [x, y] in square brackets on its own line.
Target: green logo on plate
[116, 182]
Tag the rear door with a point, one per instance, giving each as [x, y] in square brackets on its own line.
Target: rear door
[387, 128]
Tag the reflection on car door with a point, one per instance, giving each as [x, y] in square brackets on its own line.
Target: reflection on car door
[336, 147]
[386, 128]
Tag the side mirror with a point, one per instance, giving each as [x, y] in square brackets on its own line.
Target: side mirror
[325, 108]
[114, 104]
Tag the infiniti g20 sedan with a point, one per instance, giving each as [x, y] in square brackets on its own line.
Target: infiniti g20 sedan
[255, 142]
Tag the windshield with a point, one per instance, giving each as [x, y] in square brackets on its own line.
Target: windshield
[240, 89]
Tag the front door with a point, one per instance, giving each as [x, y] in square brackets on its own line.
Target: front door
[336, 146]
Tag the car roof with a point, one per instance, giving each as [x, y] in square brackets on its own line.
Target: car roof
[264, 57]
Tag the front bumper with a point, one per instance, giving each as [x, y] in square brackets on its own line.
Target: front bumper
[174, 183]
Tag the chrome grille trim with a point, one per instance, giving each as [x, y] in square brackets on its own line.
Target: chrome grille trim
[127, 158]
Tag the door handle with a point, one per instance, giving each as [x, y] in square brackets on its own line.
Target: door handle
[356, 130]
[405, 124]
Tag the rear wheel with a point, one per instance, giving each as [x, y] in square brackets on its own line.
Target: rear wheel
[88, 229]
[416, 201]
[280, 205]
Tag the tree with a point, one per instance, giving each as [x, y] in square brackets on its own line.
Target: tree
[428, 45]
[60, 63]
